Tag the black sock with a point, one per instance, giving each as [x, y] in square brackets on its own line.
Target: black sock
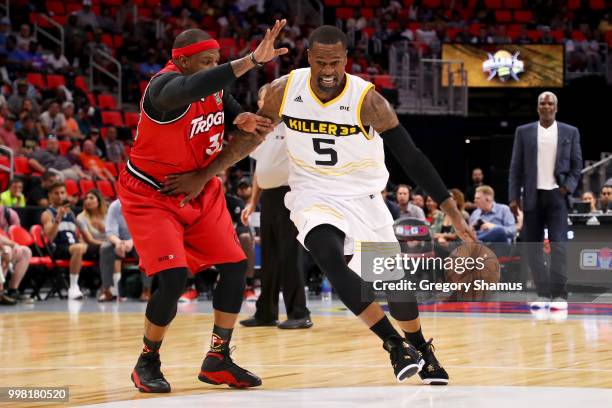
[416, 338]
[150, 346]
[249, 282]
[219, 341]
[384, 329]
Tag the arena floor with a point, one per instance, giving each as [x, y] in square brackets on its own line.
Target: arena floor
[496, 355]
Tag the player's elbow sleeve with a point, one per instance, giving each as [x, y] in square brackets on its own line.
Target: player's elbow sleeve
[415, 163]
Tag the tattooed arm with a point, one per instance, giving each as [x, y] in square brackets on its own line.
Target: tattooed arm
[379, 114]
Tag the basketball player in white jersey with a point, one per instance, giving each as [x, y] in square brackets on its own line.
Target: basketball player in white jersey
[335, 126]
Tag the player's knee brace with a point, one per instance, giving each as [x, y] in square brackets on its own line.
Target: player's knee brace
[326, 244]
[404, 311]
[161, 308]
[227, 296]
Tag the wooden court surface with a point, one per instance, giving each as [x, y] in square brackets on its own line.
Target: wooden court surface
[93, 353]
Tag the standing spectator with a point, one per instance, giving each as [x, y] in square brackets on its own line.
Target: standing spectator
[12, 254]
[589, 197]
[8, 137]
[53, 121]
[546, 163]
[50, 158]
[119, 245]
[92, 162]
[13, 197]
[38, 194]
[57, 61]
[492, 221]
[59, 224]
[115, 151]
[91, 221]
[24, 37]
[72, 127]
[407, 209]
[477, 181]
[86, 18]
[605, 198]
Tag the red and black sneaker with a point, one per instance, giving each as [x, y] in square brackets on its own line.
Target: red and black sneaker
[147, 376]
[218, 368]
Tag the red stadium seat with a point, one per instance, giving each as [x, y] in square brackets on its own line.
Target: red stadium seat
[503, 16]
[117, 40]
[523, 16]
[609, 38]
[578, 35]
[91, 99]
[55, 7]
[344, 13]
[408, 3]
[131, 119]
[493, 4]
[54, 81]
[64, 146]
[22, 166]
[21, 236]
[370, 31]
[352, 3]
[106, 188]
[534, 35]
[597, 4]
[112, 118]
[72, 188]
[384, 82]
[431, 3]
[558, 35]
[61, 20]
[372, 3]
[35, 18]
[73, 7]
[36, 79]
[573, 4]
[81, 83]
[367, 13]
[86, 186]
[333, 3]
[112, 168]
[513, 4]
[107, 101]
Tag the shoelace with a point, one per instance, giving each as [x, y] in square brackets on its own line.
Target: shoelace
[429, 357]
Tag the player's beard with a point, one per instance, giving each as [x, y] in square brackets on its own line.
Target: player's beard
[328, 89]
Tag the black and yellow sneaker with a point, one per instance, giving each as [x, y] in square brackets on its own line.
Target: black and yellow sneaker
[147, 376]
[218, 368]
[432, 373]
[405, 359]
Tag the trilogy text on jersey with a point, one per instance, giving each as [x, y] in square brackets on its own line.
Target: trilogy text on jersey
[318, 127]
[202, 124]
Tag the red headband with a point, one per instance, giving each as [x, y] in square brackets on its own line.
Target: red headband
[189, 50]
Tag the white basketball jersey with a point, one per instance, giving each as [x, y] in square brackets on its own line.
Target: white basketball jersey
[329, 149]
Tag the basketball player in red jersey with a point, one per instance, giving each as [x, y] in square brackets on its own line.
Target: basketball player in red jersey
[182, 126]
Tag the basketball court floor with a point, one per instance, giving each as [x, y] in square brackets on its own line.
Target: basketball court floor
[497, 355]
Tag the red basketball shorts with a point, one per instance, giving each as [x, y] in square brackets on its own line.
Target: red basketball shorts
[196, 236]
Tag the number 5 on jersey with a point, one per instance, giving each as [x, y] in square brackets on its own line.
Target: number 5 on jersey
[333, 155]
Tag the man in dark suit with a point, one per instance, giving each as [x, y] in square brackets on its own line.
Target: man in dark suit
[546, 164]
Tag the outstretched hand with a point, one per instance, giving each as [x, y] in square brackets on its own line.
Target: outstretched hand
[250, 123]
[265, 51]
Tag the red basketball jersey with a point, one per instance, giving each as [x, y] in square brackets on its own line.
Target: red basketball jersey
[184, 144]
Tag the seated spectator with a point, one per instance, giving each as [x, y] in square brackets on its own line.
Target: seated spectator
[492, 221]
[30, 107]
[91, 220]
[434, 216]
[445, 231]
[84, 120]
[245, 189]
[393, 207]
[92, 162]
[22, 92]
[8, 137]
[38, 194]
[72, 127]
[118, 246]
[14, 257]
[605, 198]
[5, 31]
[59, 224]
[151, 67]
[115, 151]
[13, 197]
[53, 121]
[95, 136]
[36, 61]
[24, 37]
[406, 208]
[419, 201]
[50, 158]
[589, 197]
[28, 134]
[57, 62]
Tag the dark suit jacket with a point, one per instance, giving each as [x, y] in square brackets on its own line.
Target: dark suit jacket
[524, 164]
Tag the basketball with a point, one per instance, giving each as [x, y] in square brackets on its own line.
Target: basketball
[483, 267]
